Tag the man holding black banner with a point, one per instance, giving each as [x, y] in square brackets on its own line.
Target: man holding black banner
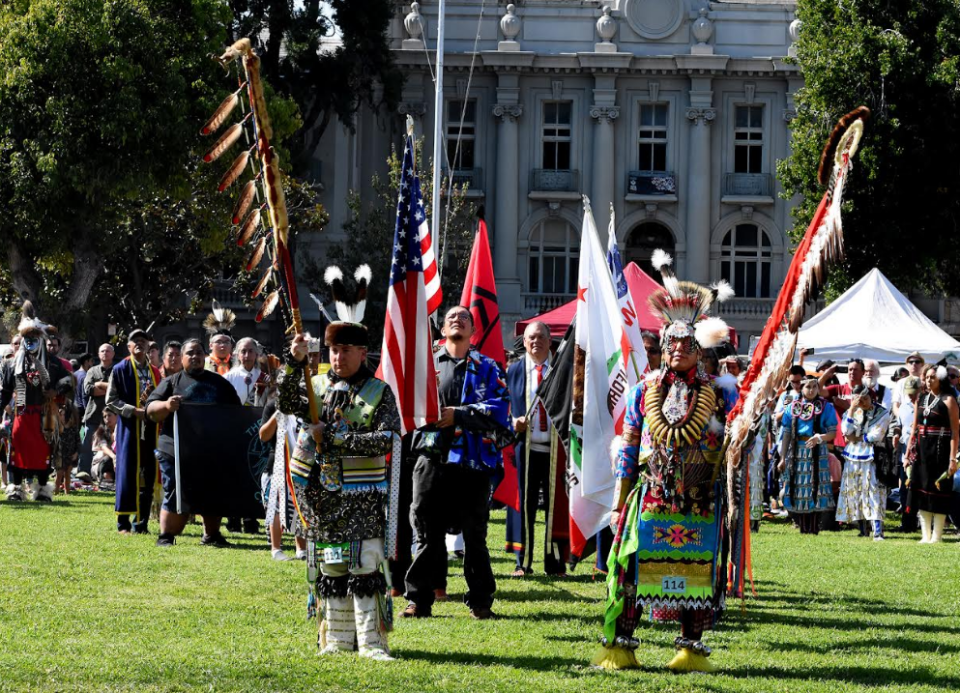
[192, 384]
[339, 474]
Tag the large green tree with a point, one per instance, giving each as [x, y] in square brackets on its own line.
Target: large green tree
[328, 83]
[107, 215]
[99, 106]
[902, 60]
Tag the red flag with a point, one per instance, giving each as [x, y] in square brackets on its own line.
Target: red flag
[480, 296]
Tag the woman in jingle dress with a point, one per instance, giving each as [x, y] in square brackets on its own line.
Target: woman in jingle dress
[809, 424]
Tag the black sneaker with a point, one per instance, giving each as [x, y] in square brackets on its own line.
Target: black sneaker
[166, 540]
[251, 526]
[234, 525]
[216, 540]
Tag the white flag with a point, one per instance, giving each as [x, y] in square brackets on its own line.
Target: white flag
[600, 385]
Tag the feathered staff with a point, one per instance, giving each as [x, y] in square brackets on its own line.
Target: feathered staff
[822, 244]
[266, 169]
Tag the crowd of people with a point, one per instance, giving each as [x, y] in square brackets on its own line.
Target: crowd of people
[827, 455]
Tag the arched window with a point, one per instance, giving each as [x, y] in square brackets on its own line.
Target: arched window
[746, 259]
[554, 257]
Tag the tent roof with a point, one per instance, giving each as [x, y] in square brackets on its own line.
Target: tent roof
[872, 319]
[640, 285]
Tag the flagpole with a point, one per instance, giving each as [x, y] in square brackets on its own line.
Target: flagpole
[438, 134]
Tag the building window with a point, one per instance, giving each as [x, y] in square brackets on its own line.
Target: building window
[556, 135]
[748, 140]
[652, 137]
[745, 261]
[464, 159]
[554, 258]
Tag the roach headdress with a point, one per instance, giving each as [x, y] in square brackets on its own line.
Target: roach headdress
[30, 323]
[220, 321]
[684, 307]
[348, 330]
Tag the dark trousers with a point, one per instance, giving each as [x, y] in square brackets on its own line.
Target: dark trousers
[148, 475]
[449, 496]
[18, 476]
[399, 567]
[85, 458]
[537, 482]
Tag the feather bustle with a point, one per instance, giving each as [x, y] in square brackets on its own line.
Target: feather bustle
[825, 169]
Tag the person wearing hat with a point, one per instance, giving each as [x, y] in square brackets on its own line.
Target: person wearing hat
[339, 473]
[28, 385]
[669, 500]
[131, 382]
[915, 362]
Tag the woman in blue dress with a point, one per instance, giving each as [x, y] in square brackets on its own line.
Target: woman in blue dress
[809, 424]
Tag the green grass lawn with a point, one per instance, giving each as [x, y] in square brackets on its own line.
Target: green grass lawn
[84, 609]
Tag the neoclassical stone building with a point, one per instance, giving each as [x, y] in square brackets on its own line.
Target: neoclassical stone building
[674, 111]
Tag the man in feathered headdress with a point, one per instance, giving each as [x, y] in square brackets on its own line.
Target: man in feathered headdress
[219, 325]
[339, 470]
[29, 384]
[668, 503]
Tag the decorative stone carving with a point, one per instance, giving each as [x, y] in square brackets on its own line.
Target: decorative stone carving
[553, 209]
[747, 212]
[654, 19]
[413, 23]
[654, 89]
[511, 110]
[794, 31]
[556, 89]
[606, 26]
[605, 113]
[701, 116]
[651, 210]
[702, 30]
[510, 23]
[750, 91]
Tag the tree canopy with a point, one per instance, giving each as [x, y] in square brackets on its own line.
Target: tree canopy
[106, 214]
[902, 60]
[326, 83]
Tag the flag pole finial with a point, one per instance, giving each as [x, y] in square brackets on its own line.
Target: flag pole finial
[586, 204]
[409, 125]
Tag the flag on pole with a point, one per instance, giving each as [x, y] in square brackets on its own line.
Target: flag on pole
[600, 383]
[406, 363]
[631, 344]
[480, 296]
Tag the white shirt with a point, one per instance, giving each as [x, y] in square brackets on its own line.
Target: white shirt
[540, 440]
[244, 382]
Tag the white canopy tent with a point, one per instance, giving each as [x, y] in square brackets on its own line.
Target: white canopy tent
[873, 320]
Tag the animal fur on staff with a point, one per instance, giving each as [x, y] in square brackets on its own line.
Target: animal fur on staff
[821, 245]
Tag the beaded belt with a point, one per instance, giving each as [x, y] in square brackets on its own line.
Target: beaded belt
[934, 431]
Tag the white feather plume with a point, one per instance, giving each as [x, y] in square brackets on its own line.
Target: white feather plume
[332, 274]
[711, 332]
[941, 373]
[363, 273]
[217, 311]
[661, 258]
[615, 446]
[724, 291]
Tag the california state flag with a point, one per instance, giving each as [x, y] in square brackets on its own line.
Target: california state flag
[600, 383]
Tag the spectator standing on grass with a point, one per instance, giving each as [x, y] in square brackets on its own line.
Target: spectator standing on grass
[53, 349]
[863, 497]
[902, 426]
[451, 478]
[131, 383]
[936, 433]
[246, 381]
[192, 384]
[274, 488]
[95, 384]
[80, 399]
[809, 423]
[64, 451]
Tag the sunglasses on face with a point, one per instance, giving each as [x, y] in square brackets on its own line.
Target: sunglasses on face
[914, 362]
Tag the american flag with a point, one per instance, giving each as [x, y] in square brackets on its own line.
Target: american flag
[406, 363]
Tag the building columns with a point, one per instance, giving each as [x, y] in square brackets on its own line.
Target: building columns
[508, 110]
[605, 112]
[699, 193]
